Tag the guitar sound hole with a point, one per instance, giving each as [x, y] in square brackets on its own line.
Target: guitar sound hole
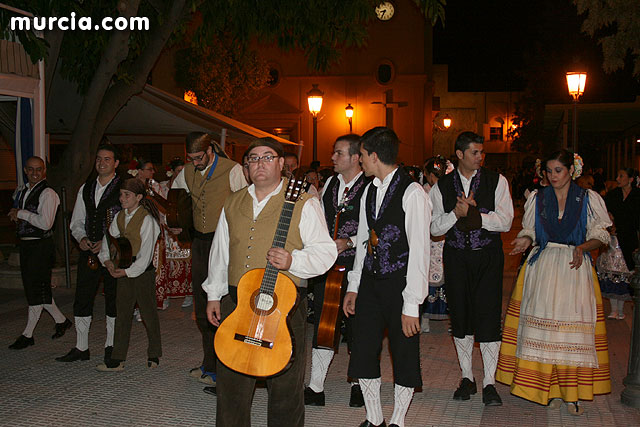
[262, 303]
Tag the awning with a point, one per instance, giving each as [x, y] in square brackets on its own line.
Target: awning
[155, 116]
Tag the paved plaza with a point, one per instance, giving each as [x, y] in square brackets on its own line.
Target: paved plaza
[36, 390]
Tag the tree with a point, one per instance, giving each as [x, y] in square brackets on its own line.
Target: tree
[110, 67]
[616, 26]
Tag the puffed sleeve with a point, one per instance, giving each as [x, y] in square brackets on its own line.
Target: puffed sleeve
[529, 217]
[597, 219]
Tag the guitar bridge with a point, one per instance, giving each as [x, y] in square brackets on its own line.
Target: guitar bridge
[253, 341]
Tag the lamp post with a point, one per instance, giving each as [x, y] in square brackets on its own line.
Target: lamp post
[348, 111]
[314, 97]
[576, 81]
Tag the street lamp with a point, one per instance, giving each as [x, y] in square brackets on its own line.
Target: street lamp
[348, 111]
[314, 97]
[576, 81]
[446, 123]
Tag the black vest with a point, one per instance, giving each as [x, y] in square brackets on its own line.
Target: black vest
[348, 221]
[390, 257]
[25, 228]
[95, 224]
[483, 185]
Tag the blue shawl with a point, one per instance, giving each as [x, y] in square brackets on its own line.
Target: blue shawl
[571, 229]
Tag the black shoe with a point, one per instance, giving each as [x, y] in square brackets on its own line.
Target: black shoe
[312, 398]
[490, 396]
[356, 400]
[210, 390]
[153, 362]
[22, 342]
[108, 351]
[366, 423]
[73, 355]
[465, 390]
[61, 328]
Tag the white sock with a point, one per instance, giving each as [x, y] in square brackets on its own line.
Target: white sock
[55, 312]
[320, 361]
[489, 352]
[402, 400]
[111, 326]
[32, 320]
[82, 332]
[464, 347]
[371, 393]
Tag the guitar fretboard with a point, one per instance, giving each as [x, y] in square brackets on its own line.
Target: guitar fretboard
[271, 273]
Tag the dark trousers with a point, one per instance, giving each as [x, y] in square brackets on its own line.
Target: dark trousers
[286, 390]
[36, 261]
[474, 291]
[199, 268]
[378, 307]
[141, 290]
[318, 302]
[87, 286]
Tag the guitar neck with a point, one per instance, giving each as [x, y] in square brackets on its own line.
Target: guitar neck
[271, 273]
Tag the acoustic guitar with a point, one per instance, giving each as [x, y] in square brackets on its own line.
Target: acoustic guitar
[177, 209]
[331, 304]
[255, 339]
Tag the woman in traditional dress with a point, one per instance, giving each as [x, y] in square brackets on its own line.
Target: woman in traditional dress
[615, 266]
[554, 341]
[172, 258]
[435, 305]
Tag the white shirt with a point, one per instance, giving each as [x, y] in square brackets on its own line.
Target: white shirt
[48, 203]
[417, 208]
[79, 215]
[341, 187]
[149, 232]
[497, 220]
[318, 254]
[236, 178]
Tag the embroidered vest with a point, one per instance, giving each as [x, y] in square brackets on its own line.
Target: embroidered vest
[390, 257]
[348, 221]
[249, 239]
[208, 195]
[132, 230]
[95, 224]
[25, 228]
[483, 185]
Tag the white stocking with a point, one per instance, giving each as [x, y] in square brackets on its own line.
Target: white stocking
[82, 332]
[371, 393]
[32, 320]
[489, 352]
[464, 347]
[111, 324]
[402, 399]
[320, 361]
[55, 312]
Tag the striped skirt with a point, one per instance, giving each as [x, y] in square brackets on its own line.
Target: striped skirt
[541, 382]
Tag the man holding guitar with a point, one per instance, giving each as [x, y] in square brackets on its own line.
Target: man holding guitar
[97, 201]
[243, 244]
[209, 179]
[390, 276]
[341, 204]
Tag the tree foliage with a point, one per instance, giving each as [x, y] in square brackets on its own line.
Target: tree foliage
[616, 26]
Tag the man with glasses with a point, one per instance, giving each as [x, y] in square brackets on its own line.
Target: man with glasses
[209, 179]
[34, 211]
[249, 219]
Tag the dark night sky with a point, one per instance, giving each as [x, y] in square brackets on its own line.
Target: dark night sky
[505, 44]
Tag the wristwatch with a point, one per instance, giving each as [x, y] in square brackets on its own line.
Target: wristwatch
[349, 243]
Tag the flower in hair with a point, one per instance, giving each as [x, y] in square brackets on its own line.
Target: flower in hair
[132, 172]
[577, 166]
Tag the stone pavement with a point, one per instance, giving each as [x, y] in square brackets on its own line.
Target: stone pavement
[35, 390]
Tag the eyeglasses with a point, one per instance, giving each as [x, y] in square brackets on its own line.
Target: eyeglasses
[267, 158]
[196, 158]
